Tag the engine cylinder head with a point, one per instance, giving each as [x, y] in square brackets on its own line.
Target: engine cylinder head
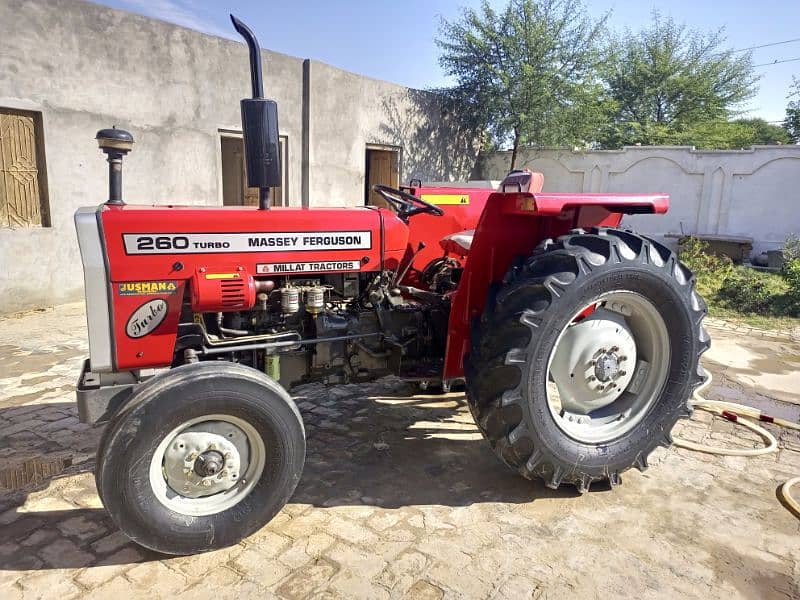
[290, 300]
[315, 300]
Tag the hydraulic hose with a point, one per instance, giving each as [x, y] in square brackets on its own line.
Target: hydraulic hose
[733, 412]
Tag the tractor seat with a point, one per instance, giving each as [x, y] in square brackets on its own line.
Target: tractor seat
[458, 243]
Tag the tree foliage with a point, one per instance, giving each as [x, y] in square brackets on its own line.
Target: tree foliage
[665, 80]
[720, 134]
[529, 68]
[792, 121]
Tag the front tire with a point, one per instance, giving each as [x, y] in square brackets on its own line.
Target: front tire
[200, 457]
[547, 377]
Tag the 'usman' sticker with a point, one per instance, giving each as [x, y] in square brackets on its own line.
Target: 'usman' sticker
[147, 288]
[309, 267]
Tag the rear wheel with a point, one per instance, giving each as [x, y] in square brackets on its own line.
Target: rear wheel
[586, 356]
[201, 456]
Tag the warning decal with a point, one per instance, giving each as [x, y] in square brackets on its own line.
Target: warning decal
[446, 198]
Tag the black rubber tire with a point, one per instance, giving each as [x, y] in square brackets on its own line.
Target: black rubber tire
[506, 369]
[161, 405]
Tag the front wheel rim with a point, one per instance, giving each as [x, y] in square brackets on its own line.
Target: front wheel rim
[207, 465]
[608, 367]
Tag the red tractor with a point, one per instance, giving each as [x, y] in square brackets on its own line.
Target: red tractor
[578, 341]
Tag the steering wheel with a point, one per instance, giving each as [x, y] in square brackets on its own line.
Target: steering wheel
[404, 204]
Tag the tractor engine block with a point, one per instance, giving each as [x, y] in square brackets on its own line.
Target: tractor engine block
[331, 328]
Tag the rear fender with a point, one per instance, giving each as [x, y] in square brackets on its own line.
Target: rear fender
[512, 225]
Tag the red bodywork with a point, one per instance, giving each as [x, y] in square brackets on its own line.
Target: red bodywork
[506, 224]
[180, 267]
[429, 229]
[512, 225]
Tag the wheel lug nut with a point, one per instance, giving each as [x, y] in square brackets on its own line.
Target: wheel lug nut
[592, 378]
[227, 456]
[622, 373]
[206, 483]
[615, 349]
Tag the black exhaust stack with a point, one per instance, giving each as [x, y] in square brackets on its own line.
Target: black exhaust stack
[259, 126]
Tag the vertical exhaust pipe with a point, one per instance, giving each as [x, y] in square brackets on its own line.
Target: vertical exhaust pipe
[259, 126]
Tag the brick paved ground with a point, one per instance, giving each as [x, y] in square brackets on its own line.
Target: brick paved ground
[400, 498]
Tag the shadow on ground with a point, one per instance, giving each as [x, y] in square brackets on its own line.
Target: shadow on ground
[387, 450]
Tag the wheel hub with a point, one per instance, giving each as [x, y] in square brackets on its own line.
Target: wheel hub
[607, 367]
[206, 459]
[588, 366]
[208, 463]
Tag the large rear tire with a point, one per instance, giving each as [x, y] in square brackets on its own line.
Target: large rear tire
[586, 356]
[200, 457]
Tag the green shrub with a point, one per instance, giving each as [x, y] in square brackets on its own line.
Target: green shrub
[709, 269]
[734, 291]
[791, 249]
[791, 271]
[745, 290]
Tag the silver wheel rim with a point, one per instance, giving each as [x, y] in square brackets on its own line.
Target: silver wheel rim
[608, 367]
[182, 474]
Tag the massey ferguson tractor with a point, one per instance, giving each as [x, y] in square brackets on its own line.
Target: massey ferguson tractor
[577, 341]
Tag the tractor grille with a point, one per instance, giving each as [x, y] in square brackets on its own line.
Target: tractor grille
[233, 293]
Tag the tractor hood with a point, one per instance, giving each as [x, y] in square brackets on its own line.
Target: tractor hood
[149, 242]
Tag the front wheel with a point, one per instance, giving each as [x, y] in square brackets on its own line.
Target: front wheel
[202, 456]
[585, 357]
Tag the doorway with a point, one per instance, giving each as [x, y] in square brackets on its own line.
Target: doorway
[383, 168]
[234, 174]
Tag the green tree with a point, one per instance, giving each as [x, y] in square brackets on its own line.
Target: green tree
[792, 121]
[529, 69]
[666, 79]
[759, 131]
[739, 133]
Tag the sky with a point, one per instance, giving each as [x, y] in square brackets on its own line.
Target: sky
[394, 40]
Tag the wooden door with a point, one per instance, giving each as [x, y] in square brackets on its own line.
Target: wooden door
[235, 191]
[383, 168]
[20, 153]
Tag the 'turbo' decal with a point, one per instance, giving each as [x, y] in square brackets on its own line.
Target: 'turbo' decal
[146, 318]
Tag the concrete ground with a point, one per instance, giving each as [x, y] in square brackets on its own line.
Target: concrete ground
[401, 498]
